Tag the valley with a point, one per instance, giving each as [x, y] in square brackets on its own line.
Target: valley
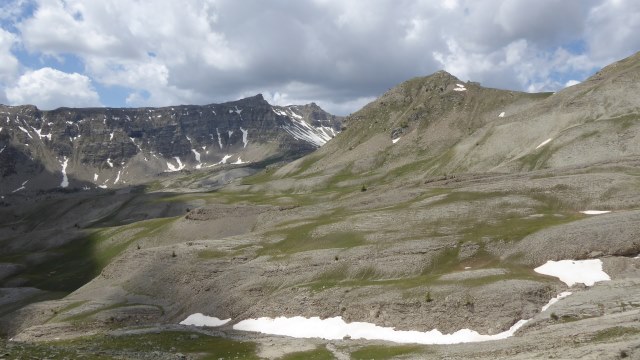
[432, 208]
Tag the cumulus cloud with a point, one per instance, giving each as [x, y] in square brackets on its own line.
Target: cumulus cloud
[334, 52]
[48, 89]
[9, 65]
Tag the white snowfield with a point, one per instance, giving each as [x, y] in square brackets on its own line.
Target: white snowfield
[300, 130]
[199, 319]
[544, 143]
[395, 140]
[501, 114]
[595, 212]
[572, 272]
[335, 329]
[303, 131]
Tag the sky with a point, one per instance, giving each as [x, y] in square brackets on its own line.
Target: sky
[340, 54]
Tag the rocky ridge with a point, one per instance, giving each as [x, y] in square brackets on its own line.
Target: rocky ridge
[108, 147]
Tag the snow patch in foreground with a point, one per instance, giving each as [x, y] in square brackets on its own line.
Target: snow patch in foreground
[572, 272]
[335, 329]
[544, 143]
[199, 319]
[595, 212]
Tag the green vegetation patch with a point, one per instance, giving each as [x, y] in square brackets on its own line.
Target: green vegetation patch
[130, 346]
[300, 238]
[321, 353]
[381, 352]
[211, 254]
[615, 332]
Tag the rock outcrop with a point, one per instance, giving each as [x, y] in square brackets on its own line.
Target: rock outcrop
[109, 147]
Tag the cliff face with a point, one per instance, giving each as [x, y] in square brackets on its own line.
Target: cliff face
[107, 147]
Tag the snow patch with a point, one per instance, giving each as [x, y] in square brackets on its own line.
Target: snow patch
[65, 179]
[554, 300]
[110, 136]
[300, 130]
[395, 140]
[501, 114]
[239, 161]
[459, 87]
[174, 168]
[117, 177]
[199, 319]
[25, 131]
[544, 143]
[595, 212]
[39, 133]
[197, 154]
[95, 177]
[245, 134]
[336, 329]
[109, 162]
[572, 272]
[1, 150]
[134, 143]
[21, 187]
[219, 140]
[224, 159]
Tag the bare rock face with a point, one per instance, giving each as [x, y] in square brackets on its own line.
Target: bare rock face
[108, 147]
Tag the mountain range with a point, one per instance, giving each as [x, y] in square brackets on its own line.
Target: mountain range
[105, 148]
[435, 211]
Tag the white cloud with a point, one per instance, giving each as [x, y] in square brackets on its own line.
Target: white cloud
[9, 65]
[612, 30]
[49, 88]
[571, 83]
[205, 51]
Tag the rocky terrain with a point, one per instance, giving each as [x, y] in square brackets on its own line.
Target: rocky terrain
[431, 210]
[110, 148]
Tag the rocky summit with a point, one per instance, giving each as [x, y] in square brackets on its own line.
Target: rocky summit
[106, 148]
[444, 220]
